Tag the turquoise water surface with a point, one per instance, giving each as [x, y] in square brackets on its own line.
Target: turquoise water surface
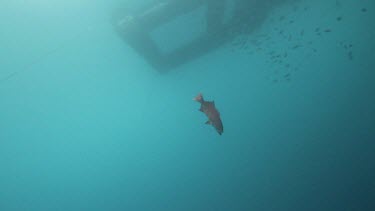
[87, 124]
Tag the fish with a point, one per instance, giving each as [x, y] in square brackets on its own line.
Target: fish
[209, 108]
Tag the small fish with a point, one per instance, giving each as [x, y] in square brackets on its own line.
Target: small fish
[350, 55]
[296, 46]
[327, 30]
[339, 18]
[364, 10]
[208, 108]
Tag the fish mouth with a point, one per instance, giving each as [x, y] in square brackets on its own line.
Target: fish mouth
[198, 98]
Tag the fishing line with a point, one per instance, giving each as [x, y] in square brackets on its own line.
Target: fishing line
[65, 44]
[43, 56]
[34, 62]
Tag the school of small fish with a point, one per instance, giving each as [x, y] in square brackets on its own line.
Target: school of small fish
[293, 41]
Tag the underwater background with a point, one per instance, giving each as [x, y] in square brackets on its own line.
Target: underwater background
[87, 124]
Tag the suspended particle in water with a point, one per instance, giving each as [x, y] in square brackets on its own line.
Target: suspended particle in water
[338, 4]
[295, 8]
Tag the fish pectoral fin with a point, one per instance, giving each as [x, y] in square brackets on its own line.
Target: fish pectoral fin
[208, 122]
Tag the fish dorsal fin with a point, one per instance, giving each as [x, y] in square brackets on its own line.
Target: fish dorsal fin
[208, 122]
[212, 103]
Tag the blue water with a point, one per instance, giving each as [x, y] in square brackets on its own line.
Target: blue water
[87, 124]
